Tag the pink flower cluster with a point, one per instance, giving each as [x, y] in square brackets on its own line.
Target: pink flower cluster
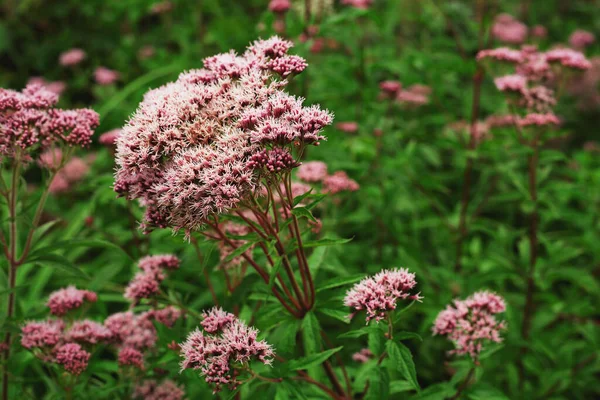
[56, 87]
[28, 120]
[363, 356]
[470, 323]
[312, 171]
[71, 57]
[146, 283]
[153, 390]
[105, 76]
[225, 343]
[279, 6]
[507, 29]
[316, 171]
[192, 148]
[414, 95]
[66, 175]
[378, 295]
[72, 357]
[581, 39]
[64, 300]
[339, 182]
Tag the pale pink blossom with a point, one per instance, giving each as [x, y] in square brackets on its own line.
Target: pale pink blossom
[379, 294]
[57, 87]
[105, 76]
[312, 171]
[129, 356]
[568, 58]
[142, 286]
[72, 57]
[360, 4]
[109, 138]
[167, 316]
[215, 319]
[279, 6]
[501, 54]
[339, 182]
[511, 83]
[471, 323]
[146, 52]
[87, 331]
[539, 31]
[363, 356]
[72, 357]
[507, 29]
[535, 119]
[347, 126]
[153, 390]
[581, 39]
[157, 263]
[216, 354]
[131, 330]
[415, 95]
[44, 334]
[64, 300]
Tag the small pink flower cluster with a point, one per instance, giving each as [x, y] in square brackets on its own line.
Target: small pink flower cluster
[279, 6]
[225, 343]
[414, 95]
[56, 87]
[201, 145]
[360, 4]
[581, 39]
[316, 171]
[153, 390]
[105, 76]
[363, 356]
[347, 126]
[28, 121]
[64, 300]
[507, 29]
[66, 175]
[146, 283]
[109, 139]
[469, 323]
[378, 295]
[72, 57]
[536, 73]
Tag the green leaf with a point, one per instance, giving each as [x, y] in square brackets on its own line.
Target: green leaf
[337, 314]
[238, 252]
[339, 281]
[375, 340]
[70, 244]
[303, 212]
[400, 386]
[274, 271]
[298, 199]
[403, 335]
[379, 384]
[355, 333]
[312, 360]
[326, 242]
[311, 333]
[402, 359]
[60, 262]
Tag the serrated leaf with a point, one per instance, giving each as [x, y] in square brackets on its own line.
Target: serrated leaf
[238, 252]
[355, 333]
[312, 360]
[401, 358]
[303, 212]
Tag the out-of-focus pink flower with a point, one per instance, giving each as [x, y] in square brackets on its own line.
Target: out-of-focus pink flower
[72, 57]
[339, 182]
[347, 126]
[581, 39]
[415, 95]
[64, 300]
[507, 29]
[87, 331]
[534, 119]
[539, 31]
[44, 334]
[568, 58]
[378, 295]
[152, 390]
[279, 6]
[142, 286]
[146, 52]
[312, 171]
[132, 357]
[131, 330]
[470, 323]
[216, 354]
[390, 88]
[109, 138]
[72, 357]
[167, 316]
[72, 172]
[361, 4]
[318, 45]
[157, 263]
[57, 87]
[501, 54]
[500, 121]
[363, 356]
[105, 76]
[511, 83]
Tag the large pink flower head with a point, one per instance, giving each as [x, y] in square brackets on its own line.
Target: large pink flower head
[378, 294]
[199, 146]
[72, 357]
[28, 120]
[153, 390]
[44, 334]
[507, 29]
[470, 323]
[64, 300]
[568, 58]
[312, 171]
[225, 343]
[581, 39]
[71, 57]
